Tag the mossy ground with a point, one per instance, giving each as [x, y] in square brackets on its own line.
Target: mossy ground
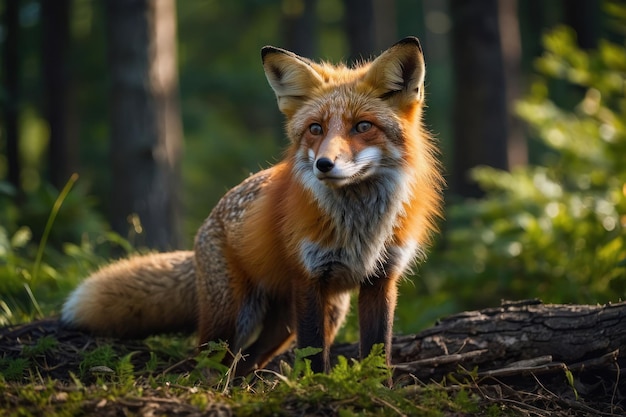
[51, 371]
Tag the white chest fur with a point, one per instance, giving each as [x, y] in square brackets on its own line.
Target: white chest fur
[363, 219]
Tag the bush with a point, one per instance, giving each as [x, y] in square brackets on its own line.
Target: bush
[555, 231]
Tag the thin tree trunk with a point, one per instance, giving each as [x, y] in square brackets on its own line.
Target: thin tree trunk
[584, 17]
[11, 61]
[479, 92]
[517, 149]
[146, 132]
[360, 29]
[385, 24]
[62, 154]
[300, 28]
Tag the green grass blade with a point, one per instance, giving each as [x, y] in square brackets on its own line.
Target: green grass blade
[44, 238]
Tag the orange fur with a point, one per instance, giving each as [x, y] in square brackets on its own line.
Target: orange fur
[351, 205]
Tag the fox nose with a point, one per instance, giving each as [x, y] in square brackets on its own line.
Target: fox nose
[324, 164]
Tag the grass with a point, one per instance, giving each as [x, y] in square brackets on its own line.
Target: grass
[111, 380]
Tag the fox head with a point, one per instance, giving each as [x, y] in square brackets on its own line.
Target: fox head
[359, 150]
[349, 124]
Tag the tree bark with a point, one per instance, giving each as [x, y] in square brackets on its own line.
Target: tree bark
[146, 132]
[480, 130]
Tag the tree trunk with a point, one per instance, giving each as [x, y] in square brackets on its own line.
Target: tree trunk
[584, 17]
[146, 133]
[385, 24]
[62, 155]
[511, 44]
[479, 93]
[360, 29]
[11, 68]
[300, 28]
[371, 27]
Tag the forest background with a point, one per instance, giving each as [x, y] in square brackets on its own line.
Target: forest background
[159, 107]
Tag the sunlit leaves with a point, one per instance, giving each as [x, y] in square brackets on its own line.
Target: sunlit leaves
[556, 230]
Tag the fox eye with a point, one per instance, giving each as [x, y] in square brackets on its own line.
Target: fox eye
[363, 126]
[316, 129]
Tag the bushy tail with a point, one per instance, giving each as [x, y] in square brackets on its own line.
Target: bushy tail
[136, 297]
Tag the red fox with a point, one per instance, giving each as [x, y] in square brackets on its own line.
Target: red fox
[351, 205]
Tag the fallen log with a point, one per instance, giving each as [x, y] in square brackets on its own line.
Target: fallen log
[495, 338]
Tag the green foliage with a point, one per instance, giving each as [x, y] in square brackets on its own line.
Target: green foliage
[557, 230]
[113, 377]
[352, 388]
[48, 242]
[13, 369]
[125, 371]
[570, 380]
[44, 345]
[98, 360]
[172, 347]
[209, 363]
[75, 219]
[357, 385]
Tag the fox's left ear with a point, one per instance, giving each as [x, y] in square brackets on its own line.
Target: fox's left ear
[398, 73]
[291, 77]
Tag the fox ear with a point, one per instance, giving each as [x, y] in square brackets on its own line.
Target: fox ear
[291, 77]
[398, 73]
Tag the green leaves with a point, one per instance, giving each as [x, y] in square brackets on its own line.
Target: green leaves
[555, 230]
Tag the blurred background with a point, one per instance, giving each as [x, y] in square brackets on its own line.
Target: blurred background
[124, 121]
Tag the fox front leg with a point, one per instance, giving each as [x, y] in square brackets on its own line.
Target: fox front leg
[377, 303]
[309, 310]
[319, 315]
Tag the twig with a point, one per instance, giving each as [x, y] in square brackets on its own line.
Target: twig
[438, 360]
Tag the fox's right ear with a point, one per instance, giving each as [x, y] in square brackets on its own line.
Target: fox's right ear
[291, 77]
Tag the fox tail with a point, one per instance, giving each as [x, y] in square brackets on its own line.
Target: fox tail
[136, 297]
